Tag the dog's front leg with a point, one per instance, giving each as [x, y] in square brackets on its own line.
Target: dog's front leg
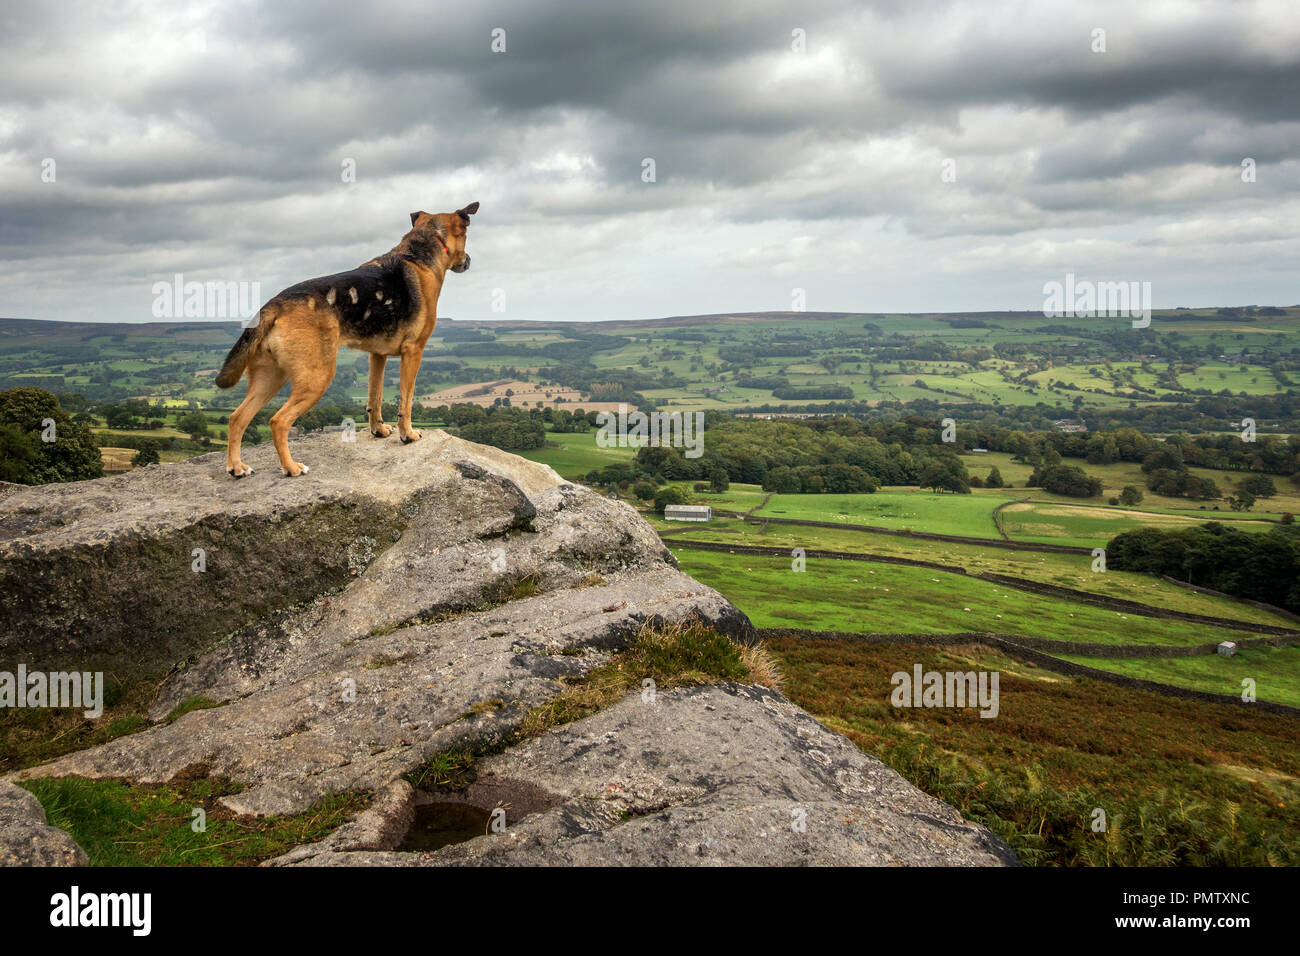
[410, 366]
[375, 399]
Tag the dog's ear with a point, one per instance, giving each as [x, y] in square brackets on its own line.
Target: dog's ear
[417, 215]
[467, 211]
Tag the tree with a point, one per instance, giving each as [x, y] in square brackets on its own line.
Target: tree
[945, 474]
[20, 455]
[1165, 457]
[669, 495]
[849, 479]
[147, 455]
[783, 480]
[994, 480]
[1068, 480]
[1167, 481]
[1018, 443]
[1262, 567]
[644, 490]
[1261, 486]
[1202, 489]
[718, 481]
[1129, 496]
[119, 416]
[194, 424]
[72, 455]
[1242, 501]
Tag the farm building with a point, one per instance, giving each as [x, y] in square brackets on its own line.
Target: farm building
[1070, 425]
[688, 513]
[1228, 648]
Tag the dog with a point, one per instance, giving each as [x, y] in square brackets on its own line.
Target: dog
[387, 306]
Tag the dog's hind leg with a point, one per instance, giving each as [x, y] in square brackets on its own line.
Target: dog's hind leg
[375, 399]
[264, 380]
[309, 383]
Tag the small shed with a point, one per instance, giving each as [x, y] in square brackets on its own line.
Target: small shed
[1228, 648]
[688, 513]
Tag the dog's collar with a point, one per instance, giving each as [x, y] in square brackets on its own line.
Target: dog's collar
[441, 243]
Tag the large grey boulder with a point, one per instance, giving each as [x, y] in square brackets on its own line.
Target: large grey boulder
[425, 599]
[722, 775]
[103, 573]
[26, 839]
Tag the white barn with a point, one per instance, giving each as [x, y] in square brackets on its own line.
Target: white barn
[688, 513]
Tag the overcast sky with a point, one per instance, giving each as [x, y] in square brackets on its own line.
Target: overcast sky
[210, 139]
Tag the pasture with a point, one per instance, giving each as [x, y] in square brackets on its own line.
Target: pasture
[864, 597]
[897, 510]
[1275, 671]
[1063, 570]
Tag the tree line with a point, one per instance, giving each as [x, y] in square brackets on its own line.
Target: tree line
[1259, 566]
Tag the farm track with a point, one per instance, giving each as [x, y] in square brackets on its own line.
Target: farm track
[1020, 648]
[1119, 605]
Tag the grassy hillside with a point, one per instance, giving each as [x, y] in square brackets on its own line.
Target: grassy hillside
[1180, 783]
[1064, 570]
[866, 597]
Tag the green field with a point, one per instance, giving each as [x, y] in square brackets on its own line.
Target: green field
[966, 515]
[573, 454]
[865, 597]
[1065, 521]
[1064, 570]
[1117, 475]
[1276, 671]
[686, 363]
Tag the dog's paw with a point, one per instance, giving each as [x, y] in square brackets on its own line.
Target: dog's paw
[239, 471]
[411, 436]
[383, 431]
[295, 469]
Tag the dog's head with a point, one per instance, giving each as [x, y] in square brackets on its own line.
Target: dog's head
[451, 230]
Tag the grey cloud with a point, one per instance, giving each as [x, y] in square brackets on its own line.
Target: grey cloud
[213, 136]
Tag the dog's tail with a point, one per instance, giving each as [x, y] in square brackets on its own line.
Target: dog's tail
[233, 368]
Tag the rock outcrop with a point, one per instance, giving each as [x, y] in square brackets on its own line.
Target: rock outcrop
[403, 601]
[26, 839]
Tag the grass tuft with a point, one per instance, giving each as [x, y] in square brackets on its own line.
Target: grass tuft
[119, 823]
[686, 654]
[193, 703]
[680, 655]
[35, 735]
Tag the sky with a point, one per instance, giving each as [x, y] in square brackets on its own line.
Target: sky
[910, 156]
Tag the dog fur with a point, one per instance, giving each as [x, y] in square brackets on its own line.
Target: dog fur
[387, 307]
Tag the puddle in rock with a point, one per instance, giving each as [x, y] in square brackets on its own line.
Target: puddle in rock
[445, 817]
[441, 824]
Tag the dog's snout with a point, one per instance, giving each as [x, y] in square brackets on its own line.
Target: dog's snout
[464, 264]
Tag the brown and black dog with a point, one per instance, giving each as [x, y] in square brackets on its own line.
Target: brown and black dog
[388, 306]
